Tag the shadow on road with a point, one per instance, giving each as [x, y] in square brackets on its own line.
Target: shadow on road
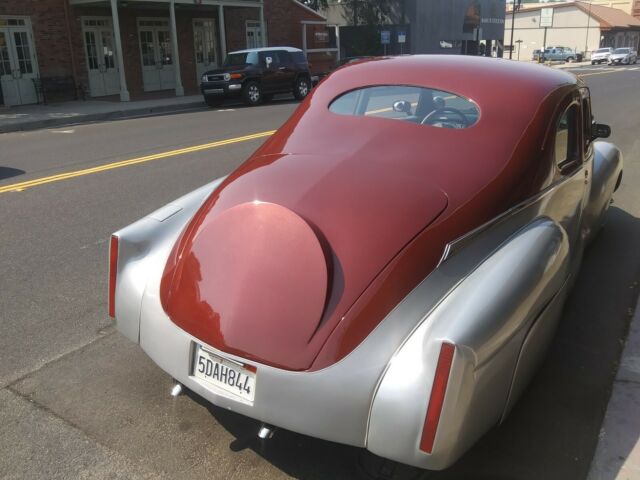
[553, 430]
[8, 172]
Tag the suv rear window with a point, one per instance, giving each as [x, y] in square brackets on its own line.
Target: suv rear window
[424, 106]
[298, 57]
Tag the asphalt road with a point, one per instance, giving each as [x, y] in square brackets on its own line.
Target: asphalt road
[77, 400]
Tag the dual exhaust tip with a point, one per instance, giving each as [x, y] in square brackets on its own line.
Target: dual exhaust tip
[265, 432]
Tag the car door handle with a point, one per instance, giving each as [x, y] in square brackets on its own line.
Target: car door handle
[282, 68]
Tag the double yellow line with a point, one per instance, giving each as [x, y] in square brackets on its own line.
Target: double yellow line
[18, 187]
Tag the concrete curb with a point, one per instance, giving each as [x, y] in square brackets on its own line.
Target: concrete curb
[617, 455]
[99, 116]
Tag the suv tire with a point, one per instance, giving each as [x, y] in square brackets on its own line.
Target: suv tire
[252, 93]
[301, 88]
[213, 101]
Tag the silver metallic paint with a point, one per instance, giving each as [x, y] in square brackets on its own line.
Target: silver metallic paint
[367, 399]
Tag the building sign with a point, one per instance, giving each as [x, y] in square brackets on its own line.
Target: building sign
[546, 17]
[322, 37]
[402, 37]
[499, 21]
[385, 37]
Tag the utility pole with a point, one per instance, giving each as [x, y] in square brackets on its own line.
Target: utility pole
[586, 40]
[514, 7]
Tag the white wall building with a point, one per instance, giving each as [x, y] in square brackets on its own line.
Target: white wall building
[578, 25]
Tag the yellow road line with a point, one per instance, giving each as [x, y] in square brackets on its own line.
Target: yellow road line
[18, 187]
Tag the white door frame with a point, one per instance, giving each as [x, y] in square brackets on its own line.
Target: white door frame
[17, 90]
[202, 67]
[162, 76]
[256, 26]
[106, 80]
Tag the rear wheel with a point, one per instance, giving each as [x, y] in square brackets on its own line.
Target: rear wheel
[252, 93]
[301, 88]
[213, 101]
[570, 59]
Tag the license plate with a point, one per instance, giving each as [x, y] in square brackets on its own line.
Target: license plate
[232, 377]
[214, 90]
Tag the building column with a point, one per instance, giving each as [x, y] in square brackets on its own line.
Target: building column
[263, 27]
[124, 93]
[223, 33]
[174, 44]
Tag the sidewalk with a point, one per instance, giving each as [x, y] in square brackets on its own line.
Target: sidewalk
[617, 455]
[31, 117]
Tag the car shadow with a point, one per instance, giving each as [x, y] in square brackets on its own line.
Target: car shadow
[8, 172]
[553, 430]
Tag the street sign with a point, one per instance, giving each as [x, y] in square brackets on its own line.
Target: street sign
[385, 37]
[546, 17]
[402, 37]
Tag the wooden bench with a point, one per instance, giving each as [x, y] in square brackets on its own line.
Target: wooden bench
[46, 87]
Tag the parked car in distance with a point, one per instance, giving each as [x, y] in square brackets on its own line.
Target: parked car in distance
[536, 55]
[563, 54]
[255, 75]
[623, 56]
[387, 270]
[601, 55]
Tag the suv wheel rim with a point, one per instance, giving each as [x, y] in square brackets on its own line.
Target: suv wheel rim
[254, 93]
[303, 88]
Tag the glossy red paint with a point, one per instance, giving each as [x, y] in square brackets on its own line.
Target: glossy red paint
[383, 198]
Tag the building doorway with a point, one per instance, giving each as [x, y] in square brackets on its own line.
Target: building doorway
[205, 45]
[158, 70]
[254, 34]
[100, 55]
[18, 66]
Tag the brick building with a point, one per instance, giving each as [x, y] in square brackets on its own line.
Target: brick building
[128, 47]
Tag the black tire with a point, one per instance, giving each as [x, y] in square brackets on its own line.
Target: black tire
[252, 93]
[267, 97]
[301, 88]
[213, 101]
[570, 59]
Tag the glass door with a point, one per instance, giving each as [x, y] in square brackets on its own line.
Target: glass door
[18, 67]
[102, 65]
[205, 45]
[156, 55]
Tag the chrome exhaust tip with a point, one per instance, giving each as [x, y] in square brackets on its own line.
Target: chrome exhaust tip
[266, 431]
[176, 390]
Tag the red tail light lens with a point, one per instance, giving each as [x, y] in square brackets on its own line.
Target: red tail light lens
[438, 390]
[113, 270]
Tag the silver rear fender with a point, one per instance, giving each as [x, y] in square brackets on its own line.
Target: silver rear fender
[143, 248]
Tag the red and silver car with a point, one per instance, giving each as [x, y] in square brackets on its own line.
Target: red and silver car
[387, 270]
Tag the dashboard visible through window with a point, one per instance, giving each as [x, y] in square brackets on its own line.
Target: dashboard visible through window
[424, 106]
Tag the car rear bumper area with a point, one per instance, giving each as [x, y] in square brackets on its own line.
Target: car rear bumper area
[331, 404]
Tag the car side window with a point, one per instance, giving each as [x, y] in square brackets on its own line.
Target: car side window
[282, 58]
[566, 140]
[265, 54]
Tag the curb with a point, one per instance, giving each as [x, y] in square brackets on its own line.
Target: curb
[93, 117]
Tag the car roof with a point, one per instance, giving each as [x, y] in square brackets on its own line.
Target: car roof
[267, 49]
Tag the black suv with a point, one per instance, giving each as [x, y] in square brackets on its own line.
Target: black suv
[256, 75]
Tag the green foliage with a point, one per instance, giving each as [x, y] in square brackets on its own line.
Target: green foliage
[372, 12]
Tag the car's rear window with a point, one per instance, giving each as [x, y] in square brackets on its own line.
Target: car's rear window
[424, 106]
[298, 57]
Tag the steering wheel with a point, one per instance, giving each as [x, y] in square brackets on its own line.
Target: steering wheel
[432, 117]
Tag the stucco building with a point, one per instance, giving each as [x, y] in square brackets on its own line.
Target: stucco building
[578, 25]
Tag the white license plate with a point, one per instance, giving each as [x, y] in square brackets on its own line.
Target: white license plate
[232, 377]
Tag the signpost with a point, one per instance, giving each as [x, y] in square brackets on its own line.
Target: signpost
[385, 39]
[546, 21]
[402, 38]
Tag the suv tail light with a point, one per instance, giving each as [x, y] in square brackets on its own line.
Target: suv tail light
[438, 391]
[113, 270]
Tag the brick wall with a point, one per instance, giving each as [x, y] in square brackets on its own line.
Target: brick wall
[60, 44]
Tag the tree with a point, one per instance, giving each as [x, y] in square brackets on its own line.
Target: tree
[315, 4]
[372, 12]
